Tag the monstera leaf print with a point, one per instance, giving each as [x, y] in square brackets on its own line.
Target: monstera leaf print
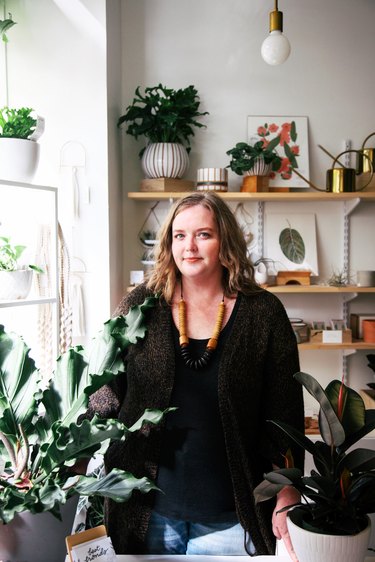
[292, 244]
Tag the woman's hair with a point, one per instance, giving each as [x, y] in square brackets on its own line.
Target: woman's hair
[238, 272]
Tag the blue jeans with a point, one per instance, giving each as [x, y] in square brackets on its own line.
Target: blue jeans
[173, 536]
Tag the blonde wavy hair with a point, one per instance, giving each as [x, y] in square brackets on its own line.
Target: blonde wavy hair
[238, 272]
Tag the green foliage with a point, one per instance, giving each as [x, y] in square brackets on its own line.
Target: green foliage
[340, 491]
[17, 123]
[292, 245]
[163, 115]
[41, 436]
[243, 156]
[5, 25]
[10, 254]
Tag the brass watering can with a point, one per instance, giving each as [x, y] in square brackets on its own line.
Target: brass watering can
[340, 180]
[363, 157]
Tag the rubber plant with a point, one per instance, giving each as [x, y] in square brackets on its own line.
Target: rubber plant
[42, 430]
[339, 493]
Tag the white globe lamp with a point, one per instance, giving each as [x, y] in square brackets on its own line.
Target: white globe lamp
[276, 47]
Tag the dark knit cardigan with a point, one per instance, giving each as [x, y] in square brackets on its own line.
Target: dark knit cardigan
[255, 384]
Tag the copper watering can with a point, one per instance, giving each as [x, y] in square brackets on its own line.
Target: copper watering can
[363, 156]
[340, 180]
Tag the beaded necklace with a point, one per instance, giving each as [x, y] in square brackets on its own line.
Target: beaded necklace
[201, 362]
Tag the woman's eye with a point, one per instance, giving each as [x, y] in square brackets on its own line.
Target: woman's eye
[204, 235]
[179, 236]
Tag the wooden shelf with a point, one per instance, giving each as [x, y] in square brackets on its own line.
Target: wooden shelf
[300, 195]
[296, 289]
[356, 345]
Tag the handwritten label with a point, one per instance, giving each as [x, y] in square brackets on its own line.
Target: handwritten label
[97, 550]
[332, 336]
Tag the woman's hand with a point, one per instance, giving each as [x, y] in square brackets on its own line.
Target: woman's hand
[287, 496]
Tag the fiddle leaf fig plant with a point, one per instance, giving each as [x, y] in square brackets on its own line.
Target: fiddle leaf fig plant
[339, 493]
[43, 430]
[163, 114]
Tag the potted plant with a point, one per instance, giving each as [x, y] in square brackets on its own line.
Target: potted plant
[338, 495]
[258, 159]
[43, 433]
[19, 150]
[15, 280]
[166, 118]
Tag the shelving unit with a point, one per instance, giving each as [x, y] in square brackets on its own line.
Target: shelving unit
[28, 215]
[349, 202]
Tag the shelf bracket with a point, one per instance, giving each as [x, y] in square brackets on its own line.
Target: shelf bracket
[350, 205]
[260, 221]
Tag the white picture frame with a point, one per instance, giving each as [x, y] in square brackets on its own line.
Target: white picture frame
[293, 146]
[300, 232]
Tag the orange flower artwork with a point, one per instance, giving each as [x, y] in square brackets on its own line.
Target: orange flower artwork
[292, 146]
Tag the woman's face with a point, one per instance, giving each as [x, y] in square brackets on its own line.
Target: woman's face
[196, 243]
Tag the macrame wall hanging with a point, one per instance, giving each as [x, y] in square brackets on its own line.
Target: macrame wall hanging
[74, 176]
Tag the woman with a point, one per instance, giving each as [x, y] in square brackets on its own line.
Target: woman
[222, 351]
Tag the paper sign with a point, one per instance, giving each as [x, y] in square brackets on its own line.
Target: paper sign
[97, 550]
[332, 336]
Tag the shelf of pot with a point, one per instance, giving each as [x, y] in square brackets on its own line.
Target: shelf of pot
[318, 289]
[29, 301]
[355, 344]
[298, 195]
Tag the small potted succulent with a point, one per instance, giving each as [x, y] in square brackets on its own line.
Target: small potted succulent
[15, 280]
[166, 118]
[19, 150]
[338, 495]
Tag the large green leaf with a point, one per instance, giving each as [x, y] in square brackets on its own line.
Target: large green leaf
[353, 409]
[330, 427]
[118, 485]
[19, 386]
[292, 245]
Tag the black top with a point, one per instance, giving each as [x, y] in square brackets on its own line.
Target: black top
[193, 470]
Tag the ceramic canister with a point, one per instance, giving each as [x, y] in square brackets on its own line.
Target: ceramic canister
[212, 179]
[366, 278]
[368, 327]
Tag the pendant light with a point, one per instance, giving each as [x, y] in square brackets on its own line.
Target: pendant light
[276, 47]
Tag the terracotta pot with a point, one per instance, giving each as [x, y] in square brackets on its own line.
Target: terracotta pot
[368, 327]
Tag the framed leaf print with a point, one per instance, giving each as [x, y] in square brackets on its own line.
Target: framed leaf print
[292, 146]
[290, 240]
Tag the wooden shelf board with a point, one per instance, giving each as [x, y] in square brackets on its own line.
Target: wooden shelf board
[356, 344]
[299, 195]
[318, 289]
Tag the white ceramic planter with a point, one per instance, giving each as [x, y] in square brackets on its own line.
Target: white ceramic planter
[15, 285]
[165, 160]
[314, 547]
[37, 538]
[260, 168]
[19, 159]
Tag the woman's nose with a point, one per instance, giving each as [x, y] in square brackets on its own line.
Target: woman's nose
[190, 243]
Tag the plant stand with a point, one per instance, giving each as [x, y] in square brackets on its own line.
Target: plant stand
[255, 183]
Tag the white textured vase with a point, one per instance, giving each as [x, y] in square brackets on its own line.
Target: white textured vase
[19, 159]
[15, 285]
[165, 160]
[260, 168]
[314, 547]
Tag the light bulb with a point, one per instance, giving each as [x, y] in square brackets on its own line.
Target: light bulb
[275, 48]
